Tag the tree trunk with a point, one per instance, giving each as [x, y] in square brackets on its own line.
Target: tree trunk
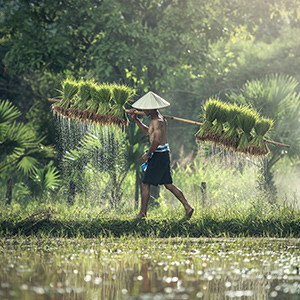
[71, 192]
[8, 191]
[268, 184]
[137, 188]
[154, 195]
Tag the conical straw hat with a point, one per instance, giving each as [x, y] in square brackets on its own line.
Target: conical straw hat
[150, 101]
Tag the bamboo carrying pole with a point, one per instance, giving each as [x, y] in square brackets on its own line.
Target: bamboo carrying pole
[185, 121]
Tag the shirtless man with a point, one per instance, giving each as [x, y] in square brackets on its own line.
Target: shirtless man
[158, 161]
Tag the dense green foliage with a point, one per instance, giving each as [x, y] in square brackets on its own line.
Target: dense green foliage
[23, 157]
[187, 51]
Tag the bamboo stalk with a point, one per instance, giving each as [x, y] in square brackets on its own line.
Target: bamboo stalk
[185, 121]
[170, 118]
[277, 144]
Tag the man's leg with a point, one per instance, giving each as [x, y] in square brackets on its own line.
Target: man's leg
[145, 200]
[179, 195]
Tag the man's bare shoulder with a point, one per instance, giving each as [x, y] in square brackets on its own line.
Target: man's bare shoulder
[158, 122]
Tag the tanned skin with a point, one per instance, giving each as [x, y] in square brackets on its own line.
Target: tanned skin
[157, 132]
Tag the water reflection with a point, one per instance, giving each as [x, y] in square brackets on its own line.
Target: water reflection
[150, 269]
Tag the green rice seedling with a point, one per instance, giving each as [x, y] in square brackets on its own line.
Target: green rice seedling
[102, 95]
[221, 119]
[84, 95]
[257, 145]
[81, 101]
[229, 137]
[210, 109]
[99, 105]
[246, 120]
[121, 95]
[68, 92]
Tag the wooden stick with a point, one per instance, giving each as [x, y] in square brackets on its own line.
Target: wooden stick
[185, 121]
[170, 118]
[277, 144]
[53, 100]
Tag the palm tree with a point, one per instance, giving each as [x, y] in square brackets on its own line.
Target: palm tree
[21, 151]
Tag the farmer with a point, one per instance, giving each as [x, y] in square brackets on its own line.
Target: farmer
[157, 158]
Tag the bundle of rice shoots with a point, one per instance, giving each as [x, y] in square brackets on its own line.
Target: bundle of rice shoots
[257, 145]
[68, 92]
[246, 120]
[221, 116]
[84, 95]
[229, 137]
[121, 95]
[101, 97]
[119, 112]
[209, 113]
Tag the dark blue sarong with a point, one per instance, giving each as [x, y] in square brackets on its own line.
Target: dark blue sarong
[158, 169]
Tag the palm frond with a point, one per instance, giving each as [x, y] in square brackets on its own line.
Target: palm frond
[8, 112]
[27, 164]
[47, 178]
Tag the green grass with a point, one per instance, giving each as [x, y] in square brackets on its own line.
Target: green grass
[234, 207]
[61, 220]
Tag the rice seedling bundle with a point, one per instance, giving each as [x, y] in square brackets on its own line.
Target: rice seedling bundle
[209, 112]
[257, 145]
[101, 100]
[246, 120]
[221, 117]
[68, 92]
[84, 95]
[101, 96]
[92, 102]
[238, 128]
[229, 137]
[121, 95]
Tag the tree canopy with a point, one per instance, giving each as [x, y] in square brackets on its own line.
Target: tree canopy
[187, 51]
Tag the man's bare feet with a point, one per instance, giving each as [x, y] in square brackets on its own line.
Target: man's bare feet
[189, 212]
[140, 216]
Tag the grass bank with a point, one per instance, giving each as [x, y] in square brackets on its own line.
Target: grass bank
[92, 222]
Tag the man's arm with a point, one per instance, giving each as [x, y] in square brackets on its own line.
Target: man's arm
[141, 125]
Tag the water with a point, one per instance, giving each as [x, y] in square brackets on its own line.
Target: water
[92, 159]
[231, 158]
[255, 166]
[150, 269]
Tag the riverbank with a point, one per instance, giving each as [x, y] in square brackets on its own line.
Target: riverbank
[212, 222]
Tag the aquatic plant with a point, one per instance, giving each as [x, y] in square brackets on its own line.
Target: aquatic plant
[127, 267]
